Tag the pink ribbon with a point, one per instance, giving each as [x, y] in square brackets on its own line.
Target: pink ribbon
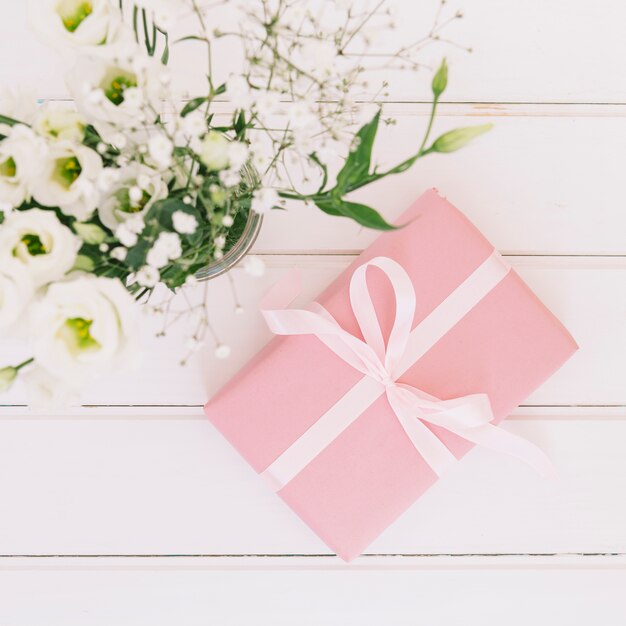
[383, 364]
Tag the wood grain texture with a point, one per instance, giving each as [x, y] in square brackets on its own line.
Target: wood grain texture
[128, 486]
[560, 51]
[161, 592]
[510, 182]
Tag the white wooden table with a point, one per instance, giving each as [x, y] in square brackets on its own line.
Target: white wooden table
[133, 511]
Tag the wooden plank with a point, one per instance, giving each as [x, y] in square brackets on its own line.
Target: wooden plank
[527, 51]
[538, 183]
[543, 181]
[176, 487]
[587, 294]
[134, 591]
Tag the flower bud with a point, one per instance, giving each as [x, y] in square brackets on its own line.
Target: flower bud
[89, 233]
[457, 138]
[440, 80]
[7, 376]
[214, 151]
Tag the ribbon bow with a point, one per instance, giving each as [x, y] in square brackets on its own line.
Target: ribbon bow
[383, 364]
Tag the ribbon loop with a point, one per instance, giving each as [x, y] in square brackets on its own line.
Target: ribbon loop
[382, 363]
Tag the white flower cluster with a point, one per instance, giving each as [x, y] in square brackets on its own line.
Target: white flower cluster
[136, 184]
[80, 326]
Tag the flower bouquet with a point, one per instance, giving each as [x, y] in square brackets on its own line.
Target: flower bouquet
[137, 184]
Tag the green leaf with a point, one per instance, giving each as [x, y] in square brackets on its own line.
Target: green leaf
[165, 57]
[360, 213]
[192, 105]
[136, 256]
[9, 121]
[163, 210]
[456, 139]
[240, 125]
[440, 80]
[358, 163]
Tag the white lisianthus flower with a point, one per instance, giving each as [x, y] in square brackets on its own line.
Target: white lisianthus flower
[214, 151]
[46, 392]
[16, 291]
[55, 123]
[21, 154]
[263, 200]
[90, 24]
[18, 104]
[134, 192]
[85, 327]
[184, 223]
[108, 177]
[40, 243]
[117, 94]
[68, 179]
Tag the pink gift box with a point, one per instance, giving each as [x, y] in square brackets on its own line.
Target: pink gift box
[506, 346]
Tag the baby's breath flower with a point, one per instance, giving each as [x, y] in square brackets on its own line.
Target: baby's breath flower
[119, 253]
[148, 276]
[125, 235]
[184, 223]
[170, 245]
[263, 200]
[254, 266]
[160, 150]
[222, 351]
[230, 177]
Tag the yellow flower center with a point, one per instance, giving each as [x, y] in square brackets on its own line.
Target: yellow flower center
[8, 169]
[116, 83]
[33, 244]
[73, 13]
[126, 205]
[66, 171]
[76, 333]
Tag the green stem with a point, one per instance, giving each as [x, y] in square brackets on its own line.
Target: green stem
[24, 364]
[430, 125]
[144, 19]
